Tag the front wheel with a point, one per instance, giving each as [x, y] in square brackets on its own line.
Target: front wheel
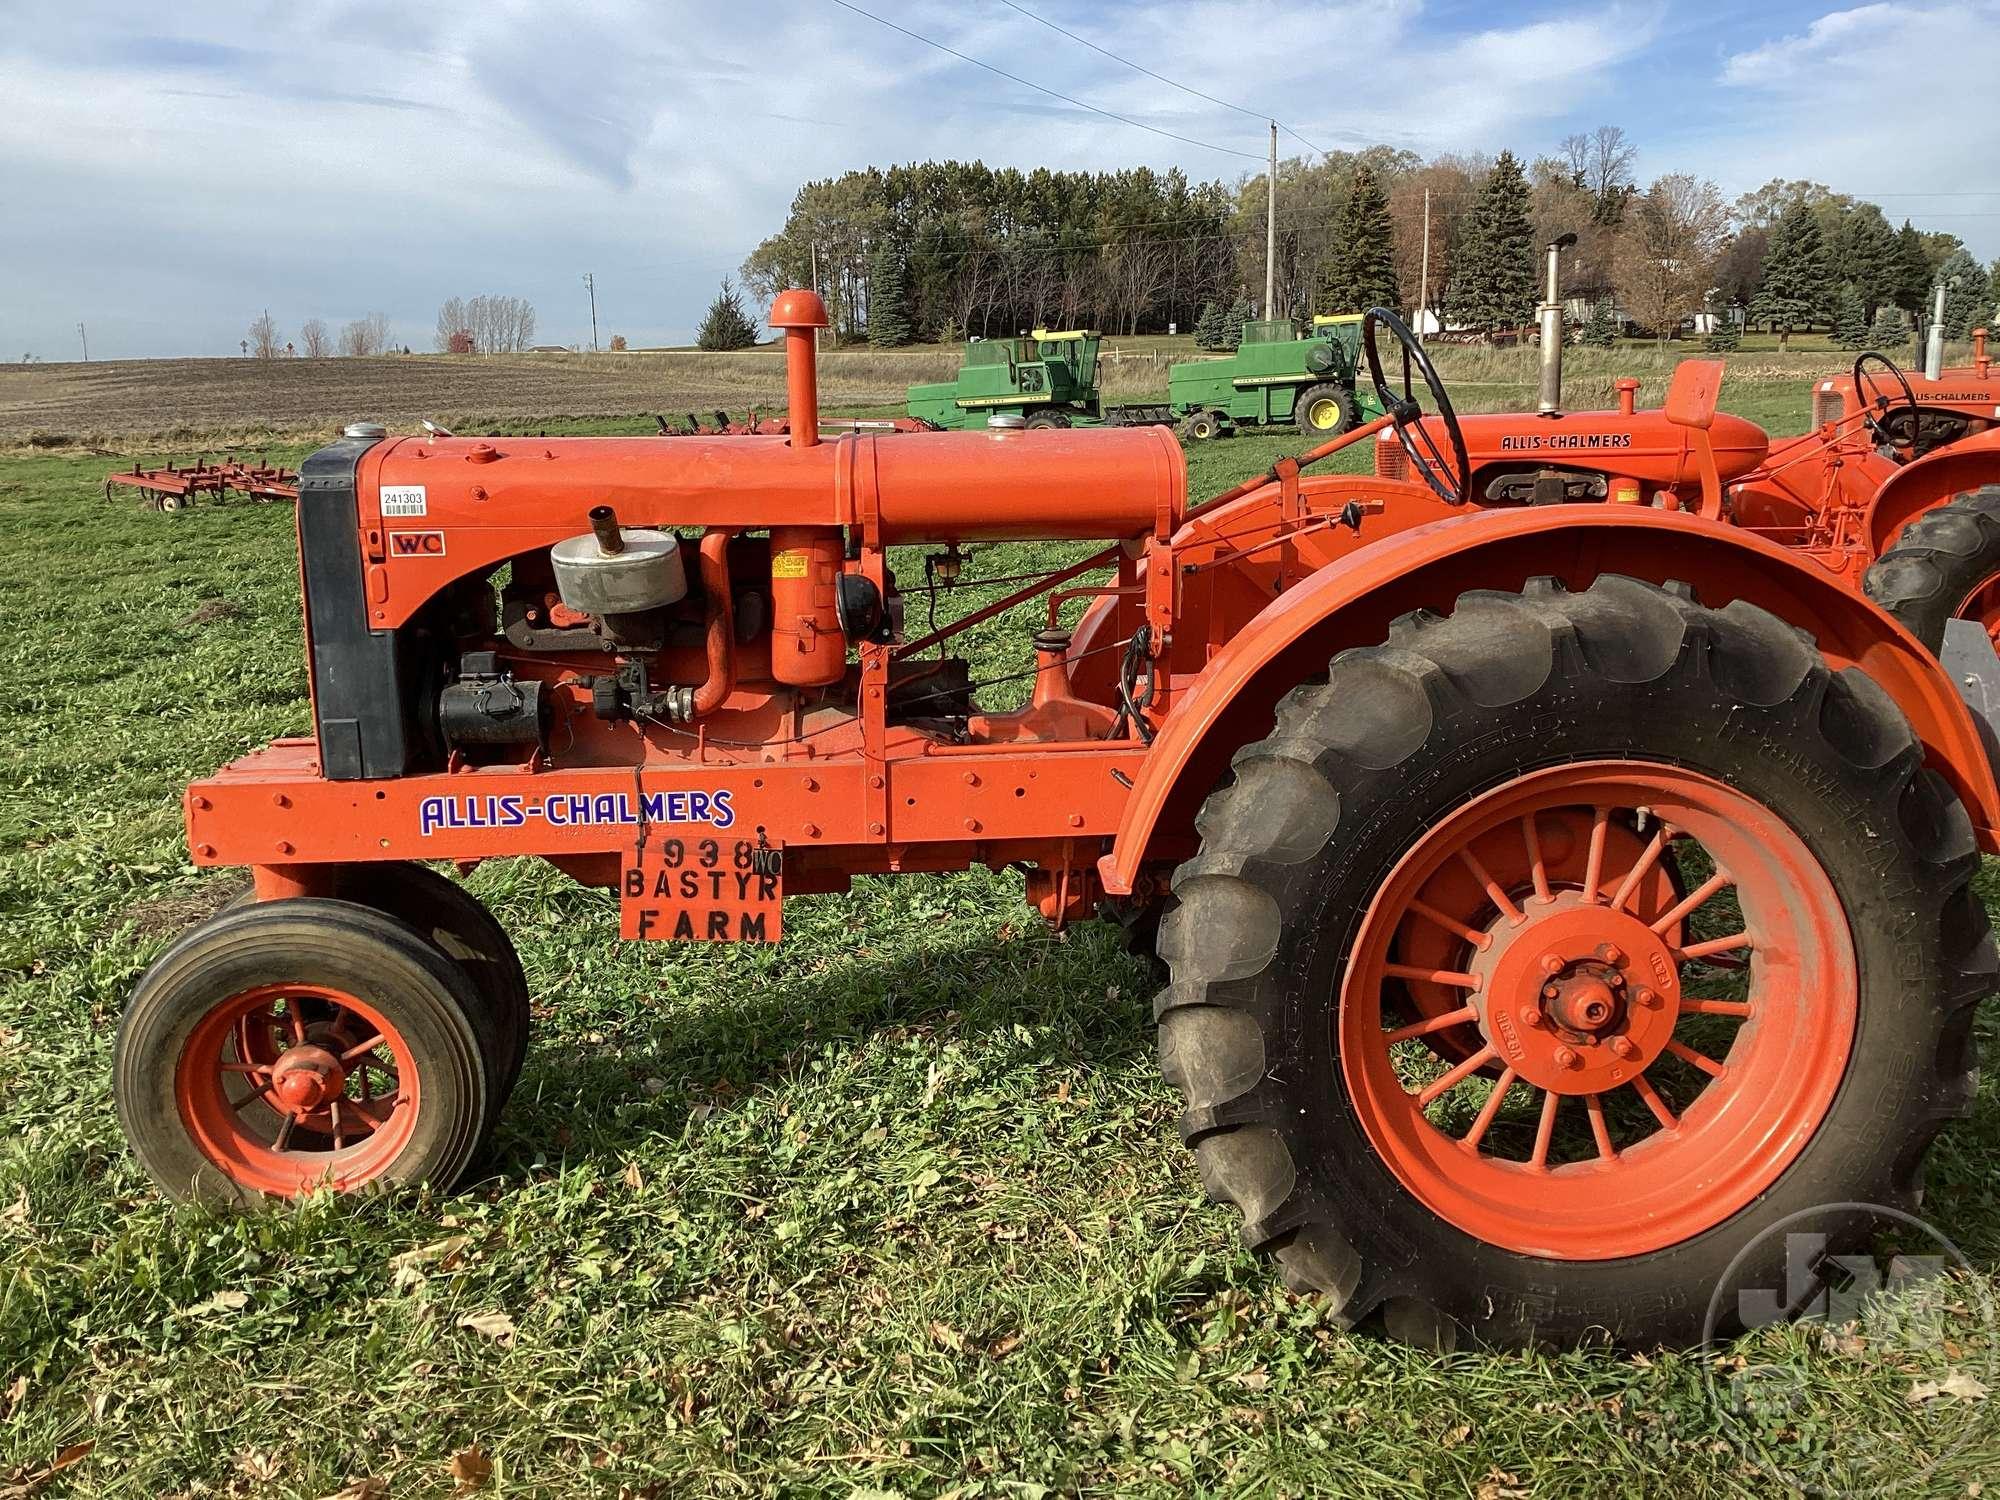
[1325, 410]
[1048, 416]
[295, 1044]
[1459, 836]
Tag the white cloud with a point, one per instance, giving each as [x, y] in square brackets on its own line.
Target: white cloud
[1888, 101]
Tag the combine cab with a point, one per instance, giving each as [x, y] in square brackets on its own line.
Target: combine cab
[1048, 378]
[1274, 378]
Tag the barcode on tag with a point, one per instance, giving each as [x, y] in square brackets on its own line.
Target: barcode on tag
[403, 500]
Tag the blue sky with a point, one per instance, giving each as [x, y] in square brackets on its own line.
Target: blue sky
[166, 172]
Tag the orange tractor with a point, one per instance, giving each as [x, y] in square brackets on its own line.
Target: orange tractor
[1895, 490]
[1553, 899]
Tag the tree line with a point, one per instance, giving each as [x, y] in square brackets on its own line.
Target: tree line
[945, 250]
[357, 339]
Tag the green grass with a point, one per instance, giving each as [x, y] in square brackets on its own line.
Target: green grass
[896, 1208]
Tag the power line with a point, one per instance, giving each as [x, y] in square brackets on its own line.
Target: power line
[1255, 114]
[1186, 140]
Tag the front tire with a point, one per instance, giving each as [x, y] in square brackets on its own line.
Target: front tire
[1048, 416]
[1438, 819]
[297, 1043]
[1325, 410]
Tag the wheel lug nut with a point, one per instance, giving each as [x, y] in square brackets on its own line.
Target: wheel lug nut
[1565, 1058]
[1549, 992]
[1645, 996]
[1530, 1016]
[1551, 964]
[1623, 1046]
[1610, 954]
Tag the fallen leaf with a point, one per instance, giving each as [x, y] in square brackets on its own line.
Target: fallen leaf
[17, 1211]
[1252, 1380]
[494, 1325]
[470, 1470]
[1963, 1386]
[16, 1393]
[950, 1337]
[1921, 1391]
[27, 1483]
[1457, 1435]
[634, 1178]
[368, 1488]
[444, 1254]
[1004, 1347]
[223, 1301]
[262, 1467]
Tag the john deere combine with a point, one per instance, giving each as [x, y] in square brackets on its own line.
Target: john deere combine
[1048, 378]
[1275, 377]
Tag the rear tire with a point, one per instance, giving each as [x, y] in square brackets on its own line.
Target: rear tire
[1275, 950]
[1201, 426]
[295, 1043]
[1945, 564]
[1048, 417]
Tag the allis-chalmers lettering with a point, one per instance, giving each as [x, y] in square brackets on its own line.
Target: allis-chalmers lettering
[575, 810]
[1523, 442]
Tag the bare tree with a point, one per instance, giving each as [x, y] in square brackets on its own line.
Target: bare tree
[485, 324]
[365, 336]
[315, 339]
[265, 341]
[1667, 252]
[454, 325]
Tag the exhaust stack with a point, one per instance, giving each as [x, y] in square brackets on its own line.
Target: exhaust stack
[1934, 345]
[1550, 314]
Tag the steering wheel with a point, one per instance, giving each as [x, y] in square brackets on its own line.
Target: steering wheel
[1874, 402]
[1449, 476]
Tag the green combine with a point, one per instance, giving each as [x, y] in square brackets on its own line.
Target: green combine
[1050, 379]
[1276, 377]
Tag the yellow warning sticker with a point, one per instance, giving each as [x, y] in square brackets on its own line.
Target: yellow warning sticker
[788, 564]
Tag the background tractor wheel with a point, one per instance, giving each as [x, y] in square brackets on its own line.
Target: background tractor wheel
[1945, 566]
[1201, 426]
[1325, 410]
[457, 924]
[171, 502]
[1048, 417]
[1481, 805]
[298, 1043]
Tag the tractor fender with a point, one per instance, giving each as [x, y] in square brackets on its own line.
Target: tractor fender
[1930, 482]
[1351, 602]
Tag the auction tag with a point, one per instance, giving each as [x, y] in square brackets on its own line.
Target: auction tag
[702, 890]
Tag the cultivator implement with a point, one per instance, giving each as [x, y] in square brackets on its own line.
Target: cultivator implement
[174, 487]
[752, 425]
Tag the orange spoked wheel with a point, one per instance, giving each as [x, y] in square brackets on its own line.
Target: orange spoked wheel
[289, 1086]
[1591, 987]
[1543, 959]
[288, 1046]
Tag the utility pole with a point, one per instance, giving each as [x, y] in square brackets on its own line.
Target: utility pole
[86, 342]
[1271, 227]
[1424, 276]
[590, 285]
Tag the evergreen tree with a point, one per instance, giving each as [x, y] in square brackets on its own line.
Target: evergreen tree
[1725, 337]
[1240, 312]
[1601, 329]
[1794, 290]
[1493, 283]
[1208, 330]
[1990, 319]
[726, 326]
[1360, 273]
[888, 299]
[1965, 288]
[1864, 253]
[1887, 333]
[1912, 271]
[1850, 318]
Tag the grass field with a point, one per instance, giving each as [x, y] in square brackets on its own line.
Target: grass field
[897, 1208]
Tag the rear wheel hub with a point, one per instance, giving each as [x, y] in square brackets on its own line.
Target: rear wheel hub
[1576, 998]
